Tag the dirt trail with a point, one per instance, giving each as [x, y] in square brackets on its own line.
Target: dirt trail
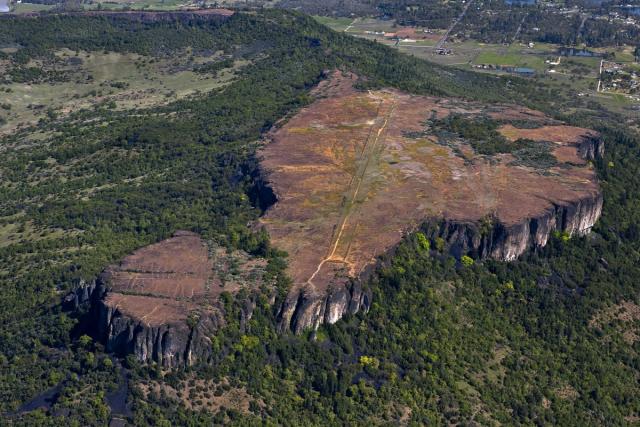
[369, 150]
[155, 308]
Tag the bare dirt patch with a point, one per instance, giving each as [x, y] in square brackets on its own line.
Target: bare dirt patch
[566, 392]
[350, 180]
[566, 139]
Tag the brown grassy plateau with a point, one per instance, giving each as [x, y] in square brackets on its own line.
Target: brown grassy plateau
[167, 281]
[350, 182]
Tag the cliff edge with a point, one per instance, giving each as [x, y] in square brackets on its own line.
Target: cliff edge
[163, 302]
[355, 171]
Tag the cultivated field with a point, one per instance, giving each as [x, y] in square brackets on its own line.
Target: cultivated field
[574, 76]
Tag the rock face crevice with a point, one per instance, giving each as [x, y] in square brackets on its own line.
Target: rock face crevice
[591, 148]
[307, 308]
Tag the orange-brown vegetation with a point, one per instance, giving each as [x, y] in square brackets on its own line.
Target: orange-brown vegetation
[168, 280]
[350, 181]
[565, 138]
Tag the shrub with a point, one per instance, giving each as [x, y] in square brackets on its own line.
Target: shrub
[467, 261]
[369, 361]
[423, 242]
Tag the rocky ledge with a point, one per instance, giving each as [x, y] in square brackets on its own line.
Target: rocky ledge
[162, 303]
[506, 242]
[354, 172]
[342, 183]
[308, 308]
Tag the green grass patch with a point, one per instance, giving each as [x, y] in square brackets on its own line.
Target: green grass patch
[337, 24]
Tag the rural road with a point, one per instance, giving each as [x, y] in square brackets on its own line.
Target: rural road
[444, 38]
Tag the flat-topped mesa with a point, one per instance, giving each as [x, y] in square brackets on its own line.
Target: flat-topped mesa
[356, 171]
[162, 303]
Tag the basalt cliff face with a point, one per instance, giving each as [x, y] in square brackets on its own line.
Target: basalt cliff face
[162, 303]
[342, 183]
[591, 148]
[355, 172]
[308, 308]
[171, 343]
[507, 242]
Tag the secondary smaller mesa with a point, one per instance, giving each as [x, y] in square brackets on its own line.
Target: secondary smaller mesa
[163, 302]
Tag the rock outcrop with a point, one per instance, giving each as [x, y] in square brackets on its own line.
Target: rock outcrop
[591, 148]
[162, 303]
[507, 242]
[340, 184]
[307, 308]
[169, 344]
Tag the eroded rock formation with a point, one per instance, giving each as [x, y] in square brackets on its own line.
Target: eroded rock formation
[343, 181]
[162, 303]
[306, 307]
[507, 242]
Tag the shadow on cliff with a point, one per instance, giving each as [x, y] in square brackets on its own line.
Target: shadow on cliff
[260, 192]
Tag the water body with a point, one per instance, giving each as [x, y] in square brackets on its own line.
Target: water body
[4, 6]
[524, 70]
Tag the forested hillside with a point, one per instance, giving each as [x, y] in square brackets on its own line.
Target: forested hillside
[529, 342]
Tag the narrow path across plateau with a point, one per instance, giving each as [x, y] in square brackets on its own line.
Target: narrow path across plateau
[386, 108]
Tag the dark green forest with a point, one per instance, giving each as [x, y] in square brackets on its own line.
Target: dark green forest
[497, 21]
[481, 343]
